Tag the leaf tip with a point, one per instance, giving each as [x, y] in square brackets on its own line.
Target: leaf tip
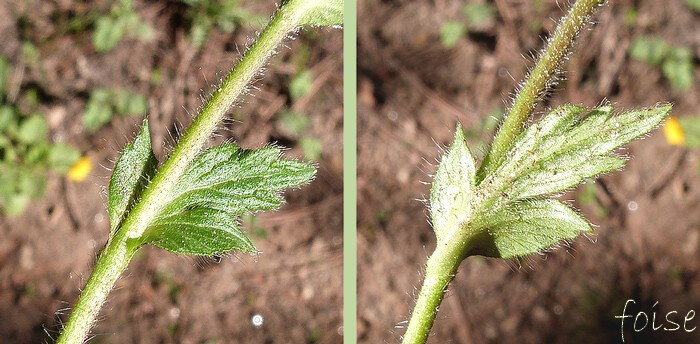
[460, 137]
[144, 124]
[665, 109]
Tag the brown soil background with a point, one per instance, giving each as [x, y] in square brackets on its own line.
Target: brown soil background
[412, 92]
[47, 253]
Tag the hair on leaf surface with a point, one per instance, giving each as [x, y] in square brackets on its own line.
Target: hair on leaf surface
[506, 207]
[192, 202]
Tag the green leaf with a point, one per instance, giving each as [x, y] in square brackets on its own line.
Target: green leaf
[107, 34]
[132, 173]
[450, 32]
[312, 147]
[200, 231]
[29, 100]
[9, 153]
[15, 204]
[36, 154]
[134, 26]
[30, 53]
[678, 68]
[220, 185]
[199, 32]
[679, 74]
[691, 130]
[33, 130]
[127, 103]
[504, 215]
[453, 187]
[563, 149]
[323, 13]
[477, 14]
[105, 103]
[630, 17]
[98, 110]
[227, 24]
[62, 157]
[293, 122]
[227, 15]
[693, 4]
[235, 180]
[31, 184]
[8, 118]
[142, 31]
[530, 226]
[676, 62]
[650, 50]
[18, 186]
[5, 70]
[301, 84]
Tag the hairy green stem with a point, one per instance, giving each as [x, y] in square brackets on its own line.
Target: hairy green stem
[439, 272]
[444, 262]
[112, 262]
[284, 21]
[119, 250]
[537, 82]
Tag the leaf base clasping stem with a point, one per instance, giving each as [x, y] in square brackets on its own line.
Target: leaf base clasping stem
[444, 262]
[129, 232]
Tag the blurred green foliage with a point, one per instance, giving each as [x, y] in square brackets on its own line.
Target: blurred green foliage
[296, 126]
[314, 336]
[251, 224]
[104, 104]
[676, 62]
[450, 32]
[26, 156]
[30, 53]
[312, 147]
[691, 130]
[693, 4]
[478, 134]
[5, 70]
[301, 84]
[630, 18]
[204, 15]
[587, 196]
[121, 21]
[475, 15]
[293, 122]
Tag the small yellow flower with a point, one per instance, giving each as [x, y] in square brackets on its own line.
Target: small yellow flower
[674, 132]
[80, 170]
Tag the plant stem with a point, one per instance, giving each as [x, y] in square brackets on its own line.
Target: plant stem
[112, 262]
[439, 272]
[444, 262]
[283, 22]
[537, 82]
[119, 250]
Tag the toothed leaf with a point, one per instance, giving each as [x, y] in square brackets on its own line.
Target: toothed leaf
[564, 148]
[221, 184]
[200, 231]
[526, 227]
[131, 175]
[504, 215]
[450, 196]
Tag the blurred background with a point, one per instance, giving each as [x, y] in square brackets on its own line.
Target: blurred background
[76, 79]
[426, 65]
